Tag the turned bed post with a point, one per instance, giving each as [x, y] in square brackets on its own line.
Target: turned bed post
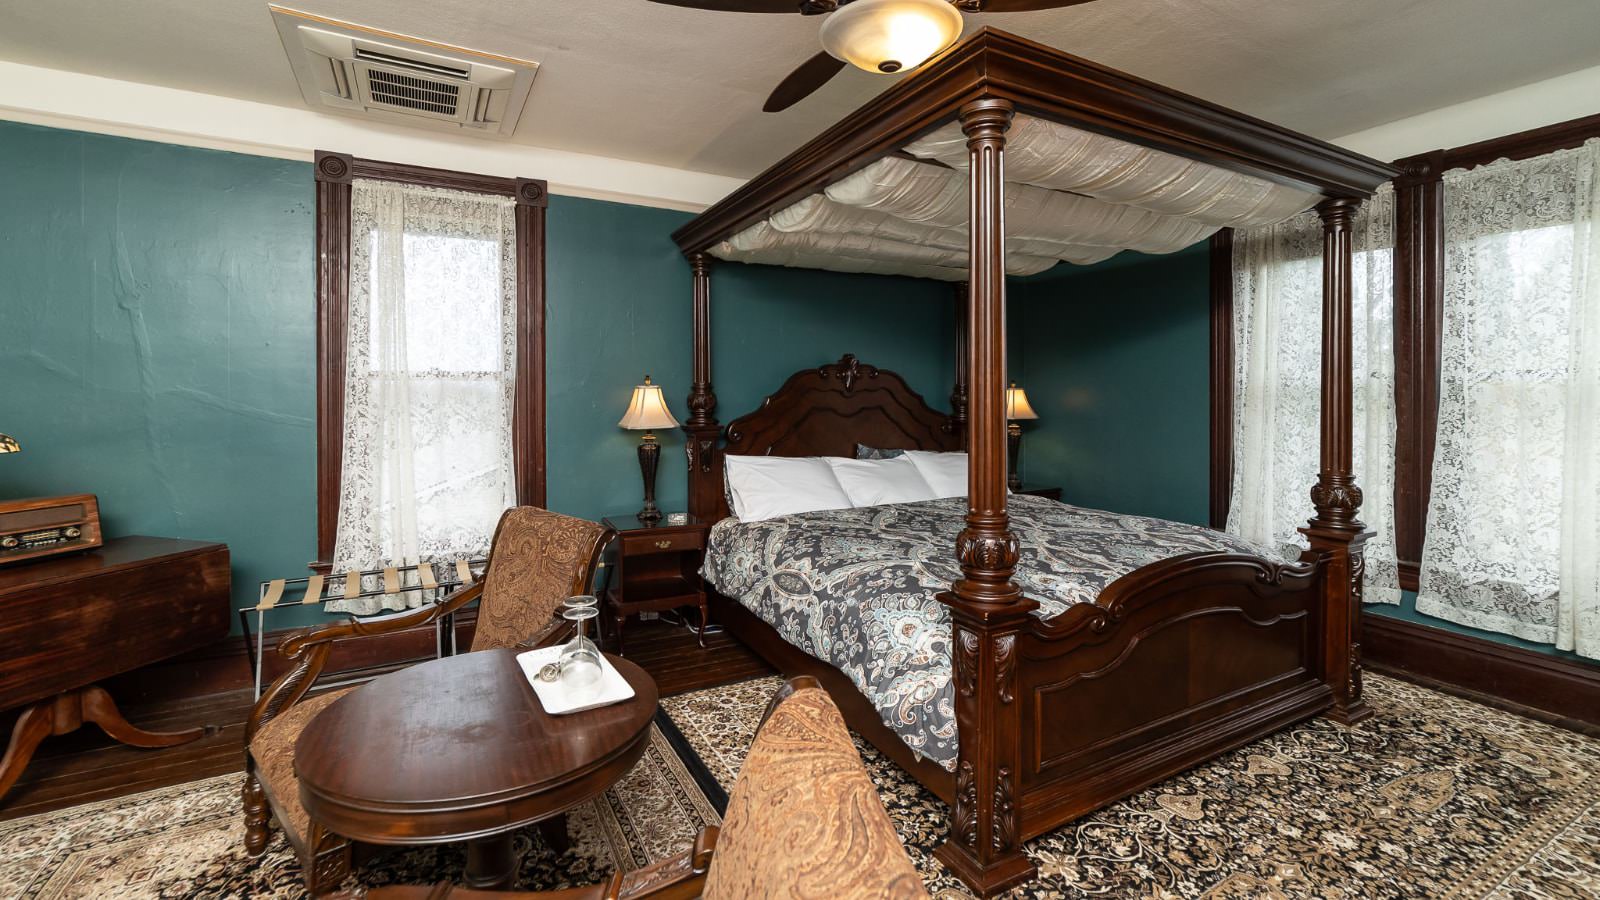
[705, 491]
[1334, 532]
[987, 609]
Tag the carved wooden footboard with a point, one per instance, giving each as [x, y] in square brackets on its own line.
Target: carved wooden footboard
[1176, 663]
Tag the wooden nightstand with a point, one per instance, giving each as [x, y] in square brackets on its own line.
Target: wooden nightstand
[657, 567]
[1049, 493]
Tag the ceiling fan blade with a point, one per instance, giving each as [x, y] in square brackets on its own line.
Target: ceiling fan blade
[1005, 6]
[753, 6]
[811, 74]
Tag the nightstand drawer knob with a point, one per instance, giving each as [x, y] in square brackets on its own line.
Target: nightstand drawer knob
[663, 544]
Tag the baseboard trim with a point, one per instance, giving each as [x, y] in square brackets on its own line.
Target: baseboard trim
[1550, 688]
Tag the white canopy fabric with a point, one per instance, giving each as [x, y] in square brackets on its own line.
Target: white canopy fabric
[1071, 196]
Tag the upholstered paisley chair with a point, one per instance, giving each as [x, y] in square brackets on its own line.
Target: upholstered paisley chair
[804, 823]
[536, 560]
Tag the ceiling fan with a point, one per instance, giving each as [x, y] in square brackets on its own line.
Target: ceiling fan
[886, 36]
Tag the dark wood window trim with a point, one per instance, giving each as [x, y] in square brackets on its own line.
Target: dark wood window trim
[334, 173]
[1419, 318]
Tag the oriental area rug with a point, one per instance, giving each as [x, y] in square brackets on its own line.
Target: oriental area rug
[187, 841]
[1435, 797]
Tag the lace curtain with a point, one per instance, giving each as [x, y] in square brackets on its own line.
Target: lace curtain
[427, 465]
[1513, 539]
[1277, 343]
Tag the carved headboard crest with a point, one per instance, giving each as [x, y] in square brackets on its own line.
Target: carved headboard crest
[828, 410]
[847, 370]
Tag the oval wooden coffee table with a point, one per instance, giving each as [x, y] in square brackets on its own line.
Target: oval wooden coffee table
[459, 749]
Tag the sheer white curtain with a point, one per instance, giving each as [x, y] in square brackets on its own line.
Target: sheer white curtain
[1277, 344]
[431, 355]
[1513, 539]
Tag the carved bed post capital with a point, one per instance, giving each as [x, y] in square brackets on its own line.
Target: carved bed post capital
[1335, 531]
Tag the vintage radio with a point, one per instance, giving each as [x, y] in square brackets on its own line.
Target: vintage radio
[48, 525]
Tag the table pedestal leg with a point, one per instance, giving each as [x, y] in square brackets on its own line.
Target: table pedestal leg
[491, 863]
[554, 832]
[65, 713]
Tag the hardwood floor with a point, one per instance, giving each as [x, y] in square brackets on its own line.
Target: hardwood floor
[86, 766]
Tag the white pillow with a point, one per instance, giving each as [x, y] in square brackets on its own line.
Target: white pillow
[874, 482]
[946, 473]
[765, 487]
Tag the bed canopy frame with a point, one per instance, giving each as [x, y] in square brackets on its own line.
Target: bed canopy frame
[1197, 654]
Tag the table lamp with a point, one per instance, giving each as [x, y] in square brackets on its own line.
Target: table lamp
[1017, 409]
[647, 412]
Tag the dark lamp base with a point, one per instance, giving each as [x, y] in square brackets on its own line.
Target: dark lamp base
[649, 458]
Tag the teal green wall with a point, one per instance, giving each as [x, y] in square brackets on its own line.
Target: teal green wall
[619, 308]
[1114, 358]
[158, 340]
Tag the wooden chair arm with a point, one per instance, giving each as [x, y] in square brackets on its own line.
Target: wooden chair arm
[680, 877]
[385, 624]
[310, 648]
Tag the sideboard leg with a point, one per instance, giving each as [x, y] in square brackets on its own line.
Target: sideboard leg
[33, 726]
[99, 708]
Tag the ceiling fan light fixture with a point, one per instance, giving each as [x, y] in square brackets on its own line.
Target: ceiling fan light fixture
[890, 36]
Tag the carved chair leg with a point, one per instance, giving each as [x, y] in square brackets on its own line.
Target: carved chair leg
[329, 864]
[256, 816]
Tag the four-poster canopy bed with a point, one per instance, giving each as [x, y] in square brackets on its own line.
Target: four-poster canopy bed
[1175, 661]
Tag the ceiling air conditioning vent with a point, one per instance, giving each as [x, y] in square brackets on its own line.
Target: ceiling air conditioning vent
[363, 71]
[409, 92]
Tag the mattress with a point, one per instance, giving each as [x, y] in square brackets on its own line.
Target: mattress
[855, 588]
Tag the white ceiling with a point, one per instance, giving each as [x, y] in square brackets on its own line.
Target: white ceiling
[683, 88]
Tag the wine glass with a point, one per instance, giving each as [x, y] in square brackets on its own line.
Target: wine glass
[579, 660]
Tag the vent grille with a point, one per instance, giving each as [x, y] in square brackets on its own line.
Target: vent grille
[416, 65]
[410, 92]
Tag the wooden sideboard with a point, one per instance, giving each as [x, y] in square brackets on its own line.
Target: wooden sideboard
[70, 621]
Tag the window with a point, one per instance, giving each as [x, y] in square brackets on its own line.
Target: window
[1512, 519]
[1276, 383]
[430, 350]
[1496, 382]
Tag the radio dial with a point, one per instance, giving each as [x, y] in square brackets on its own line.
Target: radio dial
[73, 532]
[9, 542]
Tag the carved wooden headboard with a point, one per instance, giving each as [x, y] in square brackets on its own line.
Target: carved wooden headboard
[826, 411]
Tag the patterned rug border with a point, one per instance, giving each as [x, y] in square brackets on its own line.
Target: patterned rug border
[714, 792]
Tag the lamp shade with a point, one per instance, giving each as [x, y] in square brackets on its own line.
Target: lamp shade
[890, 35]
[648, 409]
[1017, 406]
[8, 444]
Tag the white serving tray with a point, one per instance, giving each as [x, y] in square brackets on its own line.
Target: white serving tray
[554, 696]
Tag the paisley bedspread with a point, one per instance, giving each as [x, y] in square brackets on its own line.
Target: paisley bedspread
[855, 588]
